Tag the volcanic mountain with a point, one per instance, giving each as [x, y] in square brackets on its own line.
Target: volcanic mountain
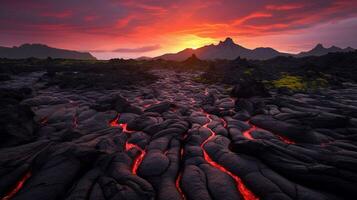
[42, 51]
[226, 49]
[229, 50]
[320, 50]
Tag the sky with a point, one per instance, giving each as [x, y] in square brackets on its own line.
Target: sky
[135, 28]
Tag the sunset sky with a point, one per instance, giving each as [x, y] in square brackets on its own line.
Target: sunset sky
[134, 28]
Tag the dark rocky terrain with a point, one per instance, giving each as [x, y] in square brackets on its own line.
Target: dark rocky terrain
[73, 130]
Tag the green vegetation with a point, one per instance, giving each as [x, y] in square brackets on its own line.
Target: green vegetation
[290, 82]
[248, 72]
[297, 83]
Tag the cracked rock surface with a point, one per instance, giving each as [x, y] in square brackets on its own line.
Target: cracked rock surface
[175, 139]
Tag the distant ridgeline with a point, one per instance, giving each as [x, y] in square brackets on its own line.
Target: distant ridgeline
[42, 51]
[229, 50]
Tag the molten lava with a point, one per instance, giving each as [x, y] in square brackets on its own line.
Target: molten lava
[248, 134]
[114, 122]
[178, 179]
[177, 183]
[17, 187]
[244, 191]
[138, 159]
[224, 123]
[123, 126]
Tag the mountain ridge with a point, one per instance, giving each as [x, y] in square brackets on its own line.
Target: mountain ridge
[42, 51]
[320, 50]
[229, 50]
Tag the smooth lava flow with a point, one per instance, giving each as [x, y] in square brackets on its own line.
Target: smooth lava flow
[244, 191]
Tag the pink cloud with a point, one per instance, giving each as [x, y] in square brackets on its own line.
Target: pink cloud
[163, 22]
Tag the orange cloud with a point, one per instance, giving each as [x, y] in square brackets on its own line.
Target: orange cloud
[173, 25]
[251, 16]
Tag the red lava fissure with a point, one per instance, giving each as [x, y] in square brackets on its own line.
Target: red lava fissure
[244, 191]
[178, 179]
[128, 146]
[138, 159]
[17, 187]
[115, 123]
[248, 134]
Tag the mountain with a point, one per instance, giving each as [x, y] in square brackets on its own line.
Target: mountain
[143, 58]
[42, 51]
[226, 49]
[320, 50]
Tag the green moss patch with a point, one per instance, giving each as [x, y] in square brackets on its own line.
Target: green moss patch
[297, 83]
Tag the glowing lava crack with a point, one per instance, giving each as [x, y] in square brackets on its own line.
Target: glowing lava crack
[17, 187]
[244, 191]
[179, 177]
[115, 123]
[138, 159]
[248, 134]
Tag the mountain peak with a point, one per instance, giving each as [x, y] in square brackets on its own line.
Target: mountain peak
[228, 40]
[319, 46]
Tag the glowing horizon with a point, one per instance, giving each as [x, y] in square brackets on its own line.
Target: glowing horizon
[132, 29]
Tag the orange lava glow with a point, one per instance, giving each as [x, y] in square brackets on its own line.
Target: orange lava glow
[114, 122]
[248, 134]
[17, 187]
[177, 183]
[224, 123]
[138, 159]
[179, 177]
[123, 126]
[244, 191]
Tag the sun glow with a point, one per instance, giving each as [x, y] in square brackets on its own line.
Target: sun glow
[191, 41]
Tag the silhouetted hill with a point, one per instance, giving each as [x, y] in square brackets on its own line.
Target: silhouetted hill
[42, 51]
[320, 50]
[229, 50]
[224, 50]
[143, 58]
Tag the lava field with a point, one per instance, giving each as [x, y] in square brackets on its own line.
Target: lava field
[176, 139]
